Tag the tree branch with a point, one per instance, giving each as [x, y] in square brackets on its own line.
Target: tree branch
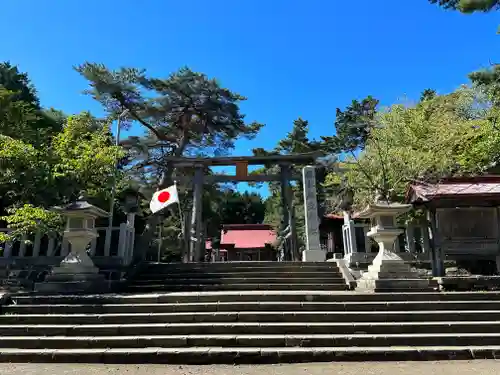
[121, 99]
[367, 175]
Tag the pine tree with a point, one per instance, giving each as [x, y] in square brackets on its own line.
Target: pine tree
[186, 114]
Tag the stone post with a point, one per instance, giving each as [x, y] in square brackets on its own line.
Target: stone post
[388, 272]
[76, 272]
[436, 251]
[349, 238]
[410, 238]
[123, 243]
[131, 220]
[313, 251]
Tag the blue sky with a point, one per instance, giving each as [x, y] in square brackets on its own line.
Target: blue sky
[290, 58]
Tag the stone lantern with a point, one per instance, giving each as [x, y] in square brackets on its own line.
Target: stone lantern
[76, 272]
[388, 272]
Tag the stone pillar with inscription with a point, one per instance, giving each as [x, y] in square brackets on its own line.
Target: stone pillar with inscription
[313, 251]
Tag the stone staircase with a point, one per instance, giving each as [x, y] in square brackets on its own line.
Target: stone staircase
[245, 322]
[156, 277]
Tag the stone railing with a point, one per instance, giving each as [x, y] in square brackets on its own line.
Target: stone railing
[112, 248]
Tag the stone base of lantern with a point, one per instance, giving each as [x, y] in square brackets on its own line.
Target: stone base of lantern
[75, 274]
[390, 273]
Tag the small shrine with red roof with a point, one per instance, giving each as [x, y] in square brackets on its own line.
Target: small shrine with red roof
[246, 242]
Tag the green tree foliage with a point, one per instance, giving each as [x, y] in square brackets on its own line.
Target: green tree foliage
[80, 157]
[439, 137]
[20, 111]
[352, 126]
[27, 220]
[428, 94]
[47, 159]
[240, 208]
[488, 80]
[13, 80]
[468, 6]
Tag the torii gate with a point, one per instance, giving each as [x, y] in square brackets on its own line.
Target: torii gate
[241, 163]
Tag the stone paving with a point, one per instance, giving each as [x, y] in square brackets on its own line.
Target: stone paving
[478, 367]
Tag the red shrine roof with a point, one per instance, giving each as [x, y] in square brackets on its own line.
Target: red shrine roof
[246, 236]
[456, 187]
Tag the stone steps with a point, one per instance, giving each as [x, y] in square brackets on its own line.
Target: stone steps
[243, 264]
[247, 312]
[249, 327]
[255, 296]
[347, 330]
[237, 270]
[240, 280]
[149, 308]
[254, 316]
[235, 340]
[144, 288]
[238, 276]
[243, 274]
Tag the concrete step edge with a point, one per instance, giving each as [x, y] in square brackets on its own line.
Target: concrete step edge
[242, 281]
[257, 293]
[279, 303]
[254, 324]
[290, 279]
[260, 282]
[252, 263]
[213, 355]
[236, 307]
[253, 295]
[239, 272]
[258, 337]
[240, 267]
[302, 312]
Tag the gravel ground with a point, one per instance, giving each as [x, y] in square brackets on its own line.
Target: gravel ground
[488, 367]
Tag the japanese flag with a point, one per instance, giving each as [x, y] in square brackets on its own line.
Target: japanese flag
[164, 198]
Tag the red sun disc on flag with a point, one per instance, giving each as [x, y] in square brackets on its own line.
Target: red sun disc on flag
[163, 197]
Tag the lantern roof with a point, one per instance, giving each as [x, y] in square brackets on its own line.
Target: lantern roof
[81, 208]
[384, 208]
